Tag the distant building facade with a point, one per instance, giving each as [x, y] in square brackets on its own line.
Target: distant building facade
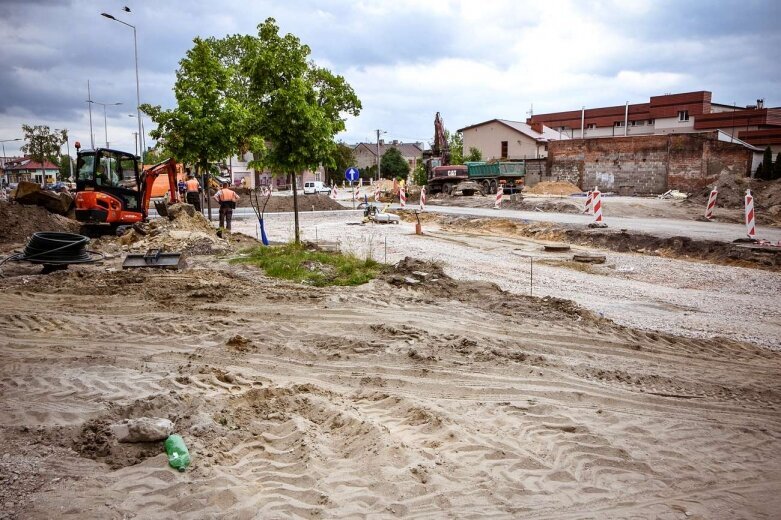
[688, 112]
[366, 153]
[25, 169]
[503, 139]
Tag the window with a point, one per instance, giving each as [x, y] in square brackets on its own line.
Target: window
[638, 123]
[683, 115]
[651, 121]
[504, 149]
[618, 124]
[591, 126]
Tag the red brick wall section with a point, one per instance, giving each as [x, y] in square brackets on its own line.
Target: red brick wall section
[640, 165]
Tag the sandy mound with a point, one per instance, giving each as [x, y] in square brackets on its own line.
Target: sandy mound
[553, 188]
[18, 222]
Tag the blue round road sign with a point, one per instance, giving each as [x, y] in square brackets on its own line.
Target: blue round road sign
[351, 174]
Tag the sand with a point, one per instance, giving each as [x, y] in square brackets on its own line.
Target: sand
[553, 188]
[437, 399]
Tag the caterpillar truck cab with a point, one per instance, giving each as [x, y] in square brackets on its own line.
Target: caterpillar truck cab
[112, 191]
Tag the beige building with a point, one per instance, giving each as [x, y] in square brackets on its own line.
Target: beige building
[510, 140]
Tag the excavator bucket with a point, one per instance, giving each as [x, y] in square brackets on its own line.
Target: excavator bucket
[154, 258]
[162, 208]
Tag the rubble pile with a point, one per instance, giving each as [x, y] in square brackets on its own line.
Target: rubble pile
[185, 231]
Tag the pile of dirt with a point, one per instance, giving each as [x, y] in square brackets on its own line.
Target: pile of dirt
[284, 203]
[553, 188]
[431, 278]
[18, 222]
[732, 190]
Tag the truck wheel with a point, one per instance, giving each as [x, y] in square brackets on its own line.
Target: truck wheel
[486, 190]
[493, 187]
[447, 188]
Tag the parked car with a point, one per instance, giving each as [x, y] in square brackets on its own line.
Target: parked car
[314, 187]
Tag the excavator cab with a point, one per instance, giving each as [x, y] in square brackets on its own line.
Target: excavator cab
[107, 187]
[111, 190]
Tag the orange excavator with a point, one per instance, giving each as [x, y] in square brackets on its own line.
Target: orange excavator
[111, 190]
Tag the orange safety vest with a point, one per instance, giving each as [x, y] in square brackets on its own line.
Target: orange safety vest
[227, 195]
[192, 185]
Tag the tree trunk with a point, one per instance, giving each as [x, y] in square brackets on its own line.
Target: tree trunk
[205, 176]
[295, 207]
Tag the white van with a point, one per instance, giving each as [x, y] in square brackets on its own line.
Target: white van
[313, 187]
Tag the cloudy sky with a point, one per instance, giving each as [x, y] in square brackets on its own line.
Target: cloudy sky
[471, 60]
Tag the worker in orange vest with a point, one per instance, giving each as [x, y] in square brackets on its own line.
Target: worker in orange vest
[193, 191]
[227, 199]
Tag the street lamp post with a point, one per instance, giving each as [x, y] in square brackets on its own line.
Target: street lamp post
[138, 88]
[105, 121]
[3, 143]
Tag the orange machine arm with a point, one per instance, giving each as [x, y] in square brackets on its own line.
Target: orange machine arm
[148, 179]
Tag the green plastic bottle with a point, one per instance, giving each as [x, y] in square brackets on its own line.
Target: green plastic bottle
[178, 456]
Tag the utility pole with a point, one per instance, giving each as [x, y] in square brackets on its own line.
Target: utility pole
[135, 134]
[378, 151]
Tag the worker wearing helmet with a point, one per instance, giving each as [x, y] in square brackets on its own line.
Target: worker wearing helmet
[227, 199]
[193, 190]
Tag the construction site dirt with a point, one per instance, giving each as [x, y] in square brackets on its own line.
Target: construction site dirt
[643, 387]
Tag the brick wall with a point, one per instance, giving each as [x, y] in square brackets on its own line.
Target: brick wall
[535, 171]
[646, 164]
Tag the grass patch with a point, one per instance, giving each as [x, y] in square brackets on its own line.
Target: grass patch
[310, 266]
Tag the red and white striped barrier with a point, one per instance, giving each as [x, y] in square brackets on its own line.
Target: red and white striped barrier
[422, 198]
[711, 203]
[596, 202]
[377, 194]
[589, 199]
[333, 192]
[750, 228]
[356, 193]
[402, 198]
[499, 194]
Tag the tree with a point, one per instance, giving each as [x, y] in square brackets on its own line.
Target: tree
[767, 164]
[777, 167]
[419, 174]
[42, 144]
[456, 144]
[65, 167]
[205, 125]
[343, 158]
[298, 106]
[393, 165]
[474, 155]
[759, 173]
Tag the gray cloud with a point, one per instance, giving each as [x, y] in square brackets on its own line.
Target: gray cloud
[407, 60]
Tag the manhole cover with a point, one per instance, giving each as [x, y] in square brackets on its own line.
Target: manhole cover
[590, 259]
[557, 248]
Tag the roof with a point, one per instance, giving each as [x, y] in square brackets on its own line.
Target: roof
[28, 164]
[406, 149]
[548, 134]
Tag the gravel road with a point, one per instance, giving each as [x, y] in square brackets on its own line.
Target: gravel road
[682, 297]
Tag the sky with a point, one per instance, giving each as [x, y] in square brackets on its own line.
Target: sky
[471, 60]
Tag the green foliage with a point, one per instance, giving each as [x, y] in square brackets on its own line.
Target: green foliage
[309, 266]
[759, 174]
[767, 164]
[419, 175]
[777, 167]
[474, 155]
[65, 169]
[367, 173]
[343, 158]
[204, 126]
[456, 144]
[42, 144]
[393, 164]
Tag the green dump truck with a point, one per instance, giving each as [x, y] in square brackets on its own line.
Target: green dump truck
[510, 176]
